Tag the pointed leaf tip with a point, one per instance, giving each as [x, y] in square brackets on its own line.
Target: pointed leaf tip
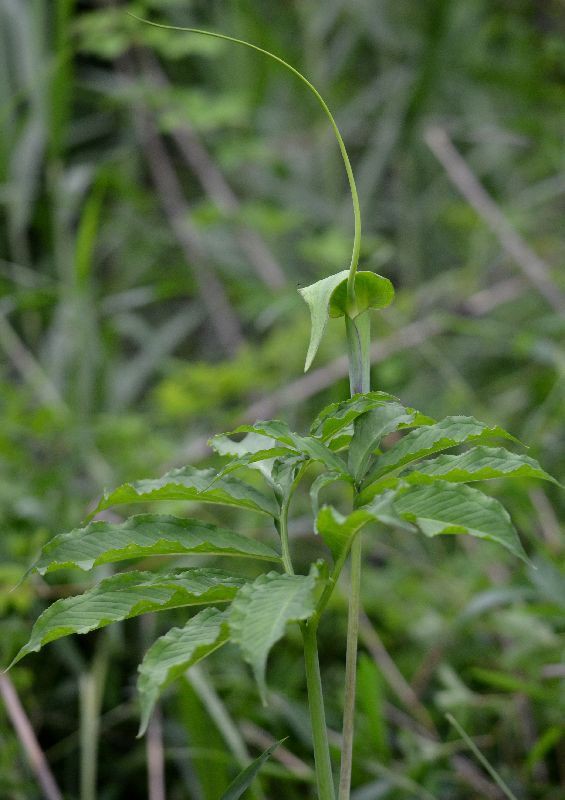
[126, 595]
[317, 296]
[242, 782]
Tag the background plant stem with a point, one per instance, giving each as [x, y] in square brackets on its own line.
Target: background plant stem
[91, 690]
[317, 714]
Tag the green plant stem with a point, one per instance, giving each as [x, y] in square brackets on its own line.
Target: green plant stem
[350, 671]
[358, 333]
[358, 340]
[324, 775]
[283, 533]
[322, 760]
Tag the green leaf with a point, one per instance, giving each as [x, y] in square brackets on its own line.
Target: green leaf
[371, 291]
[251, 443]
[477, 464]
[262, 460]
[450, 432]
[369, 429]
[141, 536]
[129, 595]
[317, 296]
[260, 613]
[306, 445]
[445, 508]
[246, 776]
[338, 531]
[255, 451]
[172, 654]
[323, 480]
[190, 483]
[337, 416]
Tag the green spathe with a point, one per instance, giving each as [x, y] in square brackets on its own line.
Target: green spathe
[329, 298]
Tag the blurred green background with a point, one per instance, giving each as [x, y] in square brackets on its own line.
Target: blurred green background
[162, 196]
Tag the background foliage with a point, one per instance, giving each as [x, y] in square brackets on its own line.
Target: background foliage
[161, 198]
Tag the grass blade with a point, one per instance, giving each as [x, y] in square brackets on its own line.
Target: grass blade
[243, 780]
[481, 758]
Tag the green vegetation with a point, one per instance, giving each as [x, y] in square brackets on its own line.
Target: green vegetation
[163, 194]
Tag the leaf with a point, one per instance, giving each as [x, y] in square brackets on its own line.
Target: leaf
[246, 776]
[128, 595]
[190, 483]
[285, 471]
[369, 429]
[337, 416]
[482, 759]
[259, 615]
[306, 445]
[477, 464]
[317, 296]
[262, 460]
[255, 451]
[172, 654]
[338, 531]
[450, 432]
[141, 536]
[371, 291]
[445, 508]
[323, 480]
[251, 443]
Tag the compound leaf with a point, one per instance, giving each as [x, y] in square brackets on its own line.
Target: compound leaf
[323, 480]
[308, 446]
[427, 440]
[255, 451]
[128, 595]
[259, 615]
[477, 464]
[190, 483]
[176, 651]
[444, 508]
[338, 531]
[337, 416]
[141, 536]
[251, 443]
[369, 429]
